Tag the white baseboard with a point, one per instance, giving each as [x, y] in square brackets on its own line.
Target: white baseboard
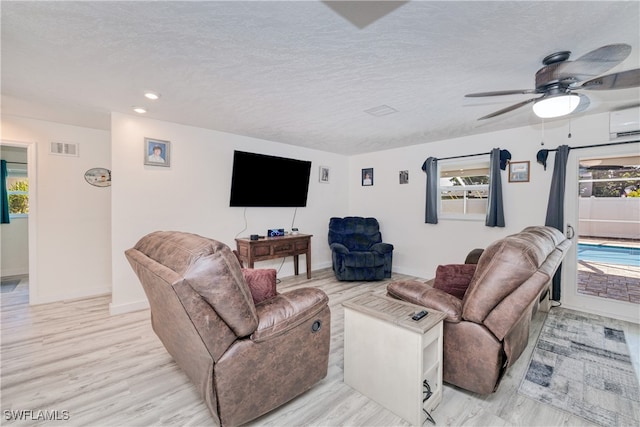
[410, 272]
[322, 265]
[620, 315]
[115, 309]
[10, 272]
[81, 294]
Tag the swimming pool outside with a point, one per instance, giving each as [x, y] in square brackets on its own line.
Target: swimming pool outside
[602, 277]
[609, 254]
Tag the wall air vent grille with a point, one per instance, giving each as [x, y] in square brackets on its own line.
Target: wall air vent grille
[64, 149]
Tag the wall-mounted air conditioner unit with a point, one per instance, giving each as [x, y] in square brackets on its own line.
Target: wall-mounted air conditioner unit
[624, 123]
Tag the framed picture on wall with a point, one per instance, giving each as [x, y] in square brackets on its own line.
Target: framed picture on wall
[367, 177]
[519, 171]
[324, 175]
[99, 177]
[157, 152]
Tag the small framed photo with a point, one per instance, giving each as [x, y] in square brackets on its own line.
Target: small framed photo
[404, 177]
[157, 152]
[367, 177]
[519, 171]
[324, 175]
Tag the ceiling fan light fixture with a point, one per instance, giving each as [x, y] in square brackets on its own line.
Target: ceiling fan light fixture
[556, 106]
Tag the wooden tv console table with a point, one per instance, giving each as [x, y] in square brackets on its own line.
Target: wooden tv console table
[266, 248]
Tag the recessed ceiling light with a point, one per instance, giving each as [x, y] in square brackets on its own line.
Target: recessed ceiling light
[152, 95]
[139, 110]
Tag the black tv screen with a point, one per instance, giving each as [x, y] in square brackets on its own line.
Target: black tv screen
[259, 180]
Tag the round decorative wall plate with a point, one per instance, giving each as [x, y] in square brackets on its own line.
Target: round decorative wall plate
[100, 177]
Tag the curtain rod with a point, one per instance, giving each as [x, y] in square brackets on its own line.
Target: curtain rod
[504, 157]
[466, 155]
[17, 163]
[597, 145]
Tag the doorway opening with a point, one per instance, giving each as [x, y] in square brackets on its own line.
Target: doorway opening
[19, 235]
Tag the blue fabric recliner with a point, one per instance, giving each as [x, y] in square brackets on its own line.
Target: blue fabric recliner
[357, 250]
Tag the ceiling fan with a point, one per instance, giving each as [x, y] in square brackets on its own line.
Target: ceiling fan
[559, 78]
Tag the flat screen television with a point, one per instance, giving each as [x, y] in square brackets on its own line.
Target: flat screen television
[259, 180]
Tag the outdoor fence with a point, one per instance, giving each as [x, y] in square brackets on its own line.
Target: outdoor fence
[610, 217]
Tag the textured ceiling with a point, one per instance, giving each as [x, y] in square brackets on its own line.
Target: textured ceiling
[303, 72]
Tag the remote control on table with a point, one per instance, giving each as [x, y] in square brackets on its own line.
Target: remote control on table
[419, 315]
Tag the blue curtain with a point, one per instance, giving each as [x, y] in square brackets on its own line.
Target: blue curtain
[430, 166]
[4, 196]
[555, 208]
[495, 210]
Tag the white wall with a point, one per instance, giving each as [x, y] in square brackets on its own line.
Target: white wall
[420, 247]
[193, 195]
[72, 224]
[14, 237]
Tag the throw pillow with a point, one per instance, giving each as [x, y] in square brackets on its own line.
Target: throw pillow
[261, 282]
[454, 279]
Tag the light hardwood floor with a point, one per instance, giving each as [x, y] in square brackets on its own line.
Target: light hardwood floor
[113, 371]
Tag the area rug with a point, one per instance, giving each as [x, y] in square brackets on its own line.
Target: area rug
[581, 364]
[8, 285]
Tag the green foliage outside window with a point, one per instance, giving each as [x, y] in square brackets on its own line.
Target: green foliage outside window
[19, 197]
[617, 187]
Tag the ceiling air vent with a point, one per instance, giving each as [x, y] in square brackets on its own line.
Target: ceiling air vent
[64, 149]
[381, 110]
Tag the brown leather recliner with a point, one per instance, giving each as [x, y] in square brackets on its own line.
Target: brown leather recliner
[245, 359]
[486, 331]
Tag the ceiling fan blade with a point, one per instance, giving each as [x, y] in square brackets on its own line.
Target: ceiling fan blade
[500, 93]
[583, 105]
[593, 63]
[509, 108]
[622, 80]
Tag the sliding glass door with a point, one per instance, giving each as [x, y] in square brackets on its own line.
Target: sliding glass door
[600, 272]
